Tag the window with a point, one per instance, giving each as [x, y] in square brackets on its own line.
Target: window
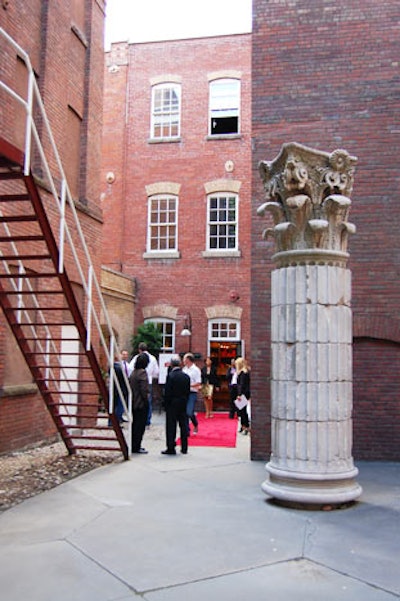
[220, 329]
[166, 108]
[224, 106]
[162, 220]
[167, 329]
[222, 222]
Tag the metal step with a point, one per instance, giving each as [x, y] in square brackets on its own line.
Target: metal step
[17, 218]
[14, 197]
[25, 257]
[7, 175]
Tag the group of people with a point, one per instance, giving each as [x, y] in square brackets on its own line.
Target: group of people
[184, 381]
[181, 388]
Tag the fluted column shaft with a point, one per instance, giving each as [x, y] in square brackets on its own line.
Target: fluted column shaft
[311, 382]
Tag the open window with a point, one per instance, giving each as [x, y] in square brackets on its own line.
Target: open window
[224, 107]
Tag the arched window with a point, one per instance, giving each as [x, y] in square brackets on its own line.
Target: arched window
[222, 222]
[166, 111]
[167, 329]
[162, 234]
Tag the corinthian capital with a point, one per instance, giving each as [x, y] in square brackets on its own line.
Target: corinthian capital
[307, 194]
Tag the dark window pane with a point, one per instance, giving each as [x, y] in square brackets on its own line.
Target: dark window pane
[224, 125]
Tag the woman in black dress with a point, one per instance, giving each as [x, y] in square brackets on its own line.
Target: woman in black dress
[209, 380]
[243, 384]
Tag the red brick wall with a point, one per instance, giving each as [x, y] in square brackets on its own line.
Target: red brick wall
[376, 415]
[113, 153]
[325, 74]
[24, 420]
[192, 282]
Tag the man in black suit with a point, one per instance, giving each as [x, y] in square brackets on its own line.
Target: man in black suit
[177, 390]
[118, 408]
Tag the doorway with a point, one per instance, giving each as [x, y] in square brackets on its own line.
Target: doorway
[221, 354]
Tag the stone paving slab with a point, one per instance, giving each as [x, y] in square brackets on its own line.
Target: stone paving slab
[55, 571]
[298, 580]
[197, 527]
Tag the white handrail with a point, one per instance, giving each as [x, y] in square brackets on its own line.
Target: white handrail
[90, 283]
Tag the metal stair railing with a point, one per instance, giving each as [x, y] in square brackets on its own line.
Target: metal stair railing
[56, 182]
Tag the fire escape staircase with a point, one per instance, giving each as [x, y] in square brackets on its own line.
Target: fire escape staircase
[61, 325]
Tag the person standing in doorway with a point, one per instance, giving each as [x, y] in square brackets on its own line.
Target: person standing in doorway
[177, 391]
[194, 373]
[209, 380]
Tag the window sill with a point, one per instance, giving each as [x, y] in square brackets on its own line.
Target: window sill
[173, 254]
[224, 137]
[164, 140]
[221, 254]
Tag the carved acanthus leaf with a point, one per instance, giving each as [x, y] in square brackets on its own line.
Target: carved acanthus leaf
[274, 208]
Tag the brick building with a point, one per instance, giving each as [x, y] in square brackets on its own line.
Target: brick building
[177, 209]
[178, 173]
[62, 52]
[326, 74]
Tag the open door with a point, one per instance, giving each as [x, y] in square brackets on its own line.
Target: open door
[221, 354]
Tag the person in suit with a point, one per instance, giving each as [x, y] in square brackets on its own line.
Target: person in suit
[139, 384]
[119, 392]
[177, 390]
[209, 380]
[125, 362]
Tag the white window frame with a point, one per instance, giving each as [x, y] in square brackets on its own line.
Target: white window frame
[166, 115]
[220, 224]
[222, 324]
[223, 105]
[170, 251]
[163, 322]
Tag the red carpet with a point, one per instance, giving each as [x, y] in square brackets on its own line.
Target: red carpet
[218, 431]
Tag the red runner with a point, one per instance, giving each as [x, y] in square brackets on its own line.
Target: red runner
[217, 431]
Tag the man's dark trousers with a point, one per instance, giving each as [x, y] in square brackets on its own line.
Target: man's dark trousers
[176, 413]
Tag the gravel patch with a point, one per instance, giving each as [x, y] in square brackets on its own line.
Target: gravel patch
[33, 470]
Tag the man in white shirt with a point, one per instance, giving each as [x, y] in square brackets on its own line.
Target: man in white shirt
[152, 374]
[194, 373]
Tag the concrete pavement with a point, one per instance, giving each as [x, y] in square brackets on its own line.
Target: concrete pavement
[198, 527]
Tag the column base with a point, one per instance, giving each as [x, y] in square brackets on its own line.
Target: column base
[312, 489]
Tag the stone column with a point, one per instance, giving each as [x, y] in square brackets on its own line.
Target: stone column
[307, 193]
